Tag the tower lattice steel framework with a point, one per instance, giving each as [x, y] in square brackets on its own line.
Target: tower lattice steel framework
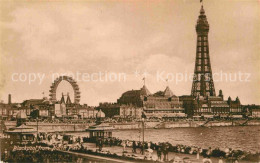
[203, 84]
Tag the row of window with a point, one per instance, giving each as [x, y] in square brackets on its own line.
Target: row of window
[205, 55]
[219, 110]
[198, 94]
[214, 111]
[206, 68]
[235, 110]
[199, 48]
[198, 88]
[152, 111]
[203, 110]
[202, 37]
[206, 61]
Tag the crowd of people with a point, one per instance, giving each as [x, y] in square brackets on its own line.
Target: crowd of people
[138, 147]
[65, 142]
[164, 148]
[38, 156]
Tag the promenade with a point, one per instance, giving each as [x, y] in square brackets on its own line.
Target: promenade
[172, 157]
[122, 149]
[96, 158]
[128, 152]
[89, 152]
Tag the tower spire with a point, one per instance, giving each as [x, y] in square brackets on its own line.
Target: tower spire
[202, 82]
[68, 101]
[62, 100]
[201, 2]
[202, 11]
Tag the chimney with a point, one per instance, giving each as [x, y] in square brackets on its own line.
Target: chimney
[9, 99]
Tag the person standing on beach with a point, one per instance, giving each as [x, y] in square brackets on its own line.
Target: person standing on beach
[159, 153]
[198, 154]
[134, 147]
[124, 145]
[207, 160]
[111, 142]
[209, 152]
[220, 160]
[164, 151]
[99, 144]
[141, 147]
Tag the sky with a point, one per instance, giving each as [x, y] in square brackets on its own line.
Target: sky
[136, 39]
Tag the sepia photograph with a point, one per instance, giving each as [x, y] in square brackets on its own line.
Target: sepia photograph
[124, 81]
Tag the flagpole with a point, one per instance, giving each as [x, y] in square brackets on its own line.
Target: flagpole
[143, 136]
[143, 119]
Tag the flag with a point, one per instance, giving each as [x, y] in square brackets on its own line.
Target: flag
[144, 80]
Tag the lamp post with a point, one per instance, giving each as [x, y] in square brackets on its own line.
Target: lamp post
[143, 136]
[143, 119]
[37, 130]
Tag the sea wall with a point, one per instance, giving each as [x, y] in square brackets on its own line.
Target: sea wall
[211, 123]
[181, 124]
[69, 127]
[132, 125]
[136, 125]
[53, 127]
[58, 127]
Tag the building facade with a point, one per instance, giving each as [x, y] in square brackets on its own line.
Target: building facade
[162, 104]
[86, 112]
[251, 110]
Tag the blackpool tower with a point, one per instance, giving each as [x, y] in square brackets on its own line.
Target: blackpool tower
[202, 82]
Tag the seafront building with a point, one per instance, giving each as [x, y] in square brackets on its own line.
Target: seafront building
[9, 110]
[46, 109]
[252, 110]
[162, 104]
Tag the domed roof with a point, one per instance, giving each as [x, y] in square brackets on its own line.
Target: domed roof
[144, 91]
[100, 114]
[21, 115]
